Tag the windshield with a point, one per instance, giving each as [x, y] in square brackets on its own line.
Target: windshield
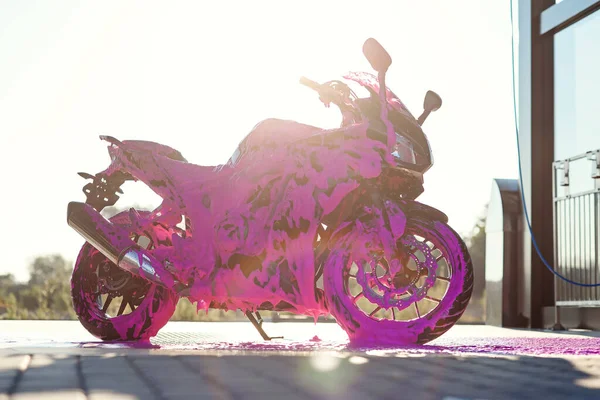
[239, 151]
[236, 155]
[370, 81]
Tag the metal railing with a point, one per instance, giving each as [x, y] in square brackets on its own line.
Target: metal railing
[576, 212]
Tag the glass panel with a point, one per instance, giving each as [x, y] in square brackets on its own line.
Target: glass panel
[515, 49]
[580, 176]
[577, 88]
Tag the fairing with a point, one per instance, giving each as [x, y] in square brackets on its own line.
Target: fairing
[254, 222]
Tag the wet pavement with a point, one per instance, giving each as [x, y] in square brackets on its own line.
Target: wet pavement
[193, 360]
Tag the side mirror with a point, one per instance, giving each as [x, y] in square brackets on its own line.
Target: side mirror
[377, 56]
[432, 102]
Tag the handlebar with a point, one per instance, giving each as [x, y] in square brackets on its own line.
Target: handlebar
[310, 83]
[327, 93]
[337, 93]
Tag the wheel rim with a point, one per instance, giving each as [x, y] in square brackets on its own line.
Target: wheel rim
[409, 286]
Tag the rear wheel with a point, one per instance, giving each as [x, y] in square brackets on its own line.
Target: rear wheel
[113, 304]
[411, 297]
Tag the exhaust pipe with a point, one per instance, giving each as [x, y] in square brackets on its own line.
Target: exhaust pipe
[118, 248]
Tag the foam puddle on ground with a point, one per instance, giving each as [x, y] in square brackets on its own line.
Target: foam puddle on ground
[298, 338]
[554, 346]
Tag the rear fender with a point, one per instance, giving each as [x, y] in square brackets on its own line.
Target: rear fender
[145, 146]
[151, 163]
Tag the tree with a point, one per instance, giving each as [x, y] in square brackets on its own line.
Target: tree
[7, 281]
[475, 312]
[48, 293]
[49, 268]
[476, 246]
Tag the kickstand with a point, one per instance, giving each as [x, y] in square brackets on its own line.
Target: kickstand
[258, 325]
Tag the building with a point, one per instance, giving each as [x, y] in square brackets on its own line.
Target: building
[558, 71]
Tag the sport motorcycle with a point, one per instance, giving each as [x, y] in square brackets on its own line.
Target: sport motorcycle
[300, 219]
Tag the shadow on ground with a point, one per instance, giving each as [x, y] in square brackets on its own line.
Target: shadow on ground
[320, 375]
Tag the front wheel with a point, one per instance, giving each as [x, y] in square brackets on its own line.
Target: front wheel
[410, 297]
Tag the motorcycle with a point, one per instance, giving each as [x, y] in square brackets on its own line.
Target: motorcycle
[300, 219]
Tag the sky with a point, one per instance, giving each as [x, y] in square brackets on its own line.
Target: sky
[198, 76]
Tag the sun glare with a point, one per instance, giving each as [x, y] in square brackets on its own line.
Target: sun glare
[198, 76]
[325, 362]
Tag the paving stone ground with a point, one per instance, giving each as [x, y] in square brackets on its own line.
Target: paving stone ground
[59, 360]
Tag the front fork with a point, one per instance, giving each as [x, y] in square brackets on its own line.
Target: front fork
[380, 214]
